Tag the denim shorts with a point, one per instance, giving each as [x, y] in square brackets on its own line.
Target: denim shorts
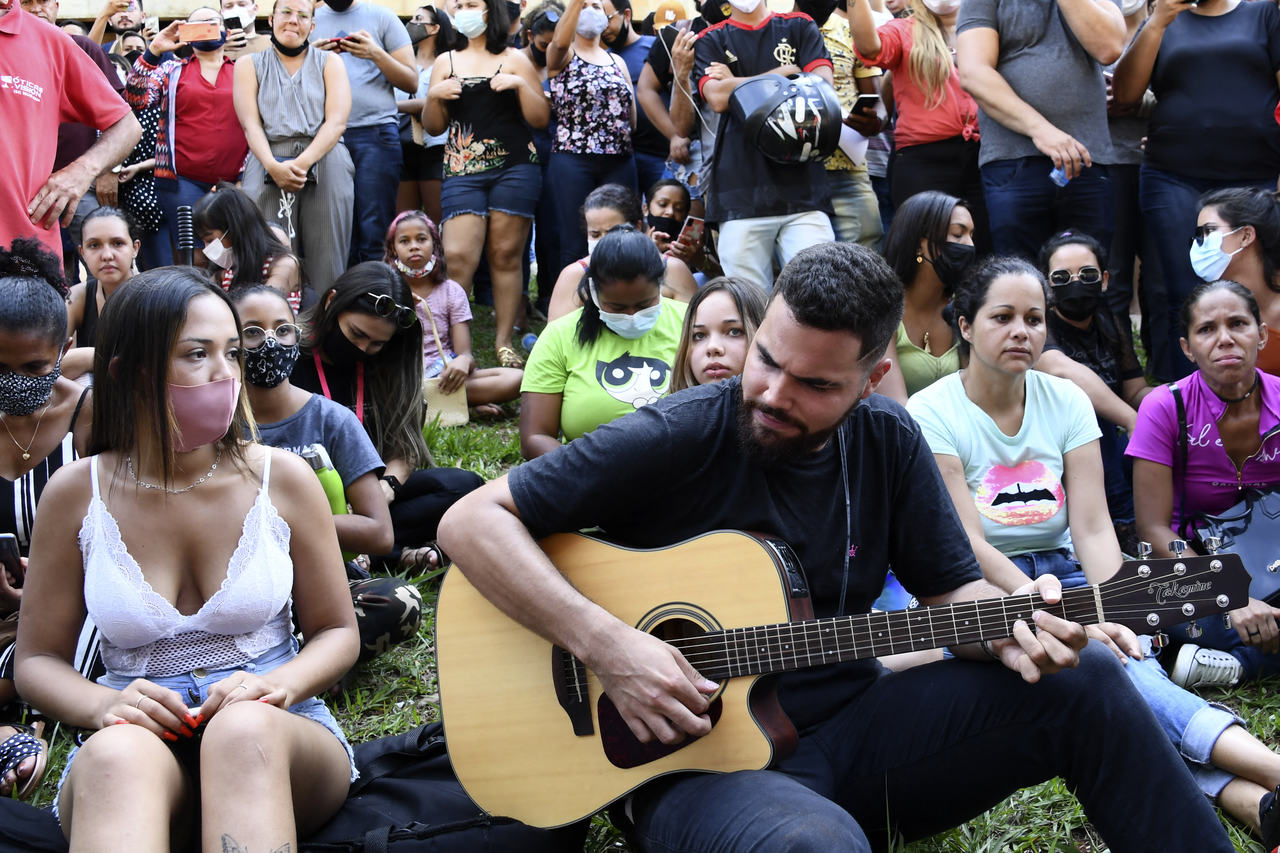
[513, 191]
[194, 686]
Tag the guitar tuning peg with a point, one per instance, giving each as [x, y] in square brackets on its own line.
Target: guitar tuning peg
[1226, 621]
[1144, 550]
[1194, 630]
[1159, 639]
[1177, 546]
[1212, 544]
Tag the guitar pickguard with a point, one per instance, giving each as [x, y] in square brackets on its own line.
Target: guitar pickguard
[620, 745]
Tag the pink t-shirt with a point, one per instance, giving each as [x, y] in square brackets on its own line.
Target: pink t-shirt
[449, 306]
[957, 115]
[1212, 483]
[45, 79]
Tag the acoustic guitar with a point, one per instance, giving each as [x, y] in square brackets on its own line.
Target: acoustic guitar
[533, 737]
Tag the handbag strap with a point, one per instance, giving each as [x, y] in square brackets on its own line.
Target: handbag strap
[444, 355]
[1180, 458]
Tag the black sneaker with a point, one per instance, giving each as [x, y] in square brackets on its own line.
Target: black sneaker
[1269, 820]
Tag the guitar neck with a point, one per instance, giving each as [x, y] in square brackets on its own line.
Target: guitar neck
[788, 646]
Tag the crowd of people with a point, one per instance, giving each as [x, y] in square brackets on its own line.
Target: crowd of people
[1005, 270]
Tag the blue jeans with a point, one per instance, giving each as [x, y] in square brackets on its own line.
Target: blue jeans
[1170, 205]
[853, 201]
[1025, 208]
[1117, 471]
[377, 158]
[926, 749]
[174, 193]
[1192, 725]
[1126, 239]
[570, 179]
[649, 170]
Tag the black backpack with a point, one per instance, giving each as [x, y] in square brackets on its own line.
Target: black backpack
[407, 800]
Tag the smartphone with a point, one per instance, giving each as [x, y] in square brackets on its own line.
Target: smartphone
[202, 31]
[9, 558]
[684, 24]
[693, 229]
[152, 24]
[865, 102]
[235, 22]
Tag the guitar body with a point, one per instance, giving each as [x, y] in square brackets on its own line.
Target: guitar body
[511, 738]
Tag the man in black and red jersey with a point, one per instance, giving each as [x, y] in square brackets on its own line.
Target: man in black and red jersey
[760, 204]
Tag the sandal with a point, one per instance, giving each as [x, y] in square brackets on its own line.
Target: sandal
[24, 743]
[419, 559]
[507, 357]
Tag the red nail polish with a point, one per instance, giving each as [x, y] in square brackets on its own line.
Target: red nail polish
[192, 721]
[264, 699]
[120, 723]
[169, 736]
[199, 720]
[186, 731]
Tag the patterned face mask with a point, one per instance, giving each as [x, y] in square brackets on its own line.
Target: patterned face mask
[21, 395]
[270, 364]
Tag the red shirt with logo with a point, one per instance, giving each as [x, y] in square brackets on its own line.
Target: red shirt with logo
[45, 79]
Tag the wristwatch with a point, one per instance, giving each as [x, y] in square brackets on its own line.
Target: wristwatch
[393, 481]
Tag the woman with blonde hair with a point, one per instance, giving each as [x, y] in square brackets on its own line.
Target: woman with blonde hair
[937, 129]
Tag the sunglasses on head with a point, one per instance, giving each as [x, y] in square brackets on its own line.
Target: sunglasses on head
[388, 309]
[1086, 275]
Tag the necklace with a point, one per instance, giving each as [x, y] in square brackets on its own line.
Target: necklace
[26, 451]
[1229, 400]
[924, 342]
[128, 459]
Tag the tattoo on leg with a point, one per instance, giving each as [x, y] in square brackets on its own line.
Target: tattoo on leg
[230, 845]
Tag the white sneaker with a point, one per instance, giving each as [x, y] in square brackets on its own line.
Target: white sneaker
[1197, 667]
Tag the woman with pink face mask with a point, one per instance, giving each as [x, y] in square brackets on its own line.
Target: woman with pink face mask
[937, 129]
[207, 707]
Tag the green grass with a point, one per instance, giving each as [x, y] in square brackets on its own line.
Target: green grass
[398, 691]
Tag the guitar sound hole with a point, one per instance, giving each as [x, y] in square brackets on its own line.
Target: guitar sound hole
[620, 745]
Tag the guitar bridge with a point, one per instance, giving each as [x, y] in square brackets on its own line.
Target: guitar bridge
[569, 675]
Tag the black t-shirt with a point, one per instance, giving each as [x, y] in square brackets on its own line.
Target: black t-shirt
[646, 138]
[1101, 348]
[341, 379]
[1214, 79]
[674, 469]
[744, 183]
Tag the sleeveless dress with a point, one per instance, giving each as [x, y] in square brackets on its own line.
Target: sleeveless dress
[244, 625]
[592, 106]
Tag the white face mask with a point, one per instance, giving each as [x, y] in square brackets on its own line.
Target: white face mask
[591, 245]
[218, 254]
[944, 7]
[591, 22]
[1128, 7]
[629, 326]
[1208, 259]
[470, 22]
[746, 7]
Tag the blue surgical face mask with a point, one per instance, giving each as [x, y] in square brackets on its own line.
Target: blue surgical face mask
[592, 22]
[470, 22]
[1208, 259]
[629, 326]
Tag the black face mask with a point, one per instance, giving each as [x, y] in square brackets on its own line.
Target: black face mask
[132, 55]
[339, 5]
[513, 10]
[417, 32]
[286, 50]
[1076, 300]
[620, 40]
[340, 350]
[270, 364]
[539, 56]
[954, 259]
[668, 225]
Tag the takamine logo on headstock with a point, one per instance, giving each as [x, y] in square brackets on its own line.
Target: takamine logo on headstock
[1163, 591]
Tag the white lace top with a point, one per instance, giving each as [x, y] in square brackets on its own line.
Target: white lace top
[143, 635]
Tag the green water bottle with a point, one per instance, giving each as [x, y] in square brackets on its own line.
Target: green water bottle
[318, 457]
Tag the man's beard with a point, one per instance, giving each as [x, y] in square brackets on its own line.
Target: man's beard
[770, 450]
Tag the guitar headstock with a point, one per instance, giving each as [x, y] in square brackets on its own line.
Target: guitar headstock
[1151, 595]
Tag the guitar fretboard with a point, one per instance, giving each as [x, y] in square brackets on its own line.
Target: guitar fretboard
[787, 646]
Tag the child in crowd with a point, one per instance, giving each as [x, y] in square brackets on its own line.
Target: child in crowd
[606, 208]
[414, 249]
[719, 323]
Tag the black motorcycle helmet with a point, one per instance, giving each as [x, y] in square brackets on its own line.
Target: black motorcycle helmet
[791, 120]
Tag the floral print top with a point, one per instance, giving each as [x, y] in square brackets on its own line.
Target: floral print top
[592, 106]
[486, 131]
